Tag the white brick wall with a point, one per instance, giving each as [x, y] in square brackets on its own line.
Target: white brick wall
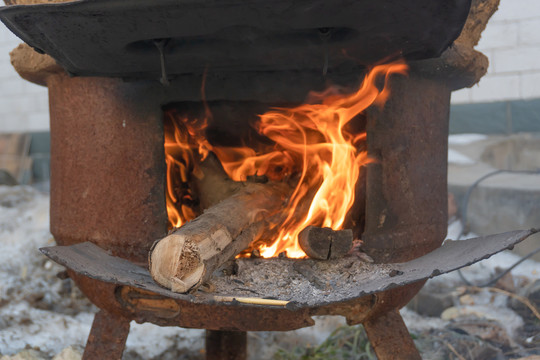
[530, 84]
[512, 43]
[23, 105]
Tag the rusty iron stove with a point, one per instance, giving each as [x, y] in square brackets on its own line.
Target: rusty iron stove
[106, 72]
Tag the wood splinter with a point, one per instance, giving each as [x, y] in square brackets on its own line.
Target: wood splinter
[325, 243]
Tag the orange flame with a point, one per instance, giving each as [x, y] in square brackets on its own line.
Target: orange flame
[313, 144]
[179, 157]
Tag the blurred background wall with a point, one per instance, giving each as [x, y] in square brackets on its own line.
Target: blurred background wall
[507, 99]
[24, 107]
[511, 41]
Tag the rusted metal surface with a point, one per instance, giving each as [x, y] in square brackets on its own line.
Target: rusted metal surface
[226, 345]
[393, 299]
[107, 338]
[143, 306]
[406, 205]
[108, 187]
[354, 311]
[461, 65]
[150, 302]
[390, 338]
[406, 197]
[107, 166]
[115, 37]
[146, 302]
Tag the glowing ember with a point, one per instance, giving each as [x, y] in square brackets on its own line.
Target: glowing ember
[314, 145]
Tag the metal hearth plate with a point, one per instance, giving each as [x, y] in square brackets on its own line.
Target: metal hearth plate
[115, 37]
[306, 291]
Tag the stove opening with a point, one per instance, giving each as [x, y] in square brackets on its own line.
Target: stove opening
[318, 149]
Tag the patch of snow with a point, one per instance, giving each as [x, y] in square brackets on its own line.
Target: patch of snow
[418, 323]
[70, 353]
[150, 341]
[264, 344]
[454, 229]
[49, 331]
[455, 157]
[38, 309]
[507, 318]
[529, 268]
[464, 139]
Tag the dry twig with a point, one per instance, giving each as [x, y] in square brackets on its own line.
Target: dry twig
[453, 350]
[253, 301]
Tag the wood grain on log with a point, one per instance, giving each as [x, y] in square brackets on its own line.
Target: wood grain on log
[188, 256]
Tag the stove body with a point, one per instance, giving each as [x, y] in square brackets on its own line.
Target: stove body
[108, 171]
[119, 204]
[105, 192]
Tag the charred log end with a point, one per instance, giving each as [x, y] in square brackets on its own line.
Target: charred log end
[325, 243]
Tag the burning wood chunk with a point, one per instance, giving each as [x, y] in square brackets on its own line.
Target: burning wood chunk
[187, 257]
[325, 243]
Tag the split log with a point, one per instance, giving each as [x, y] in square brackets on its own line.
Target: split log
[187, 257]
[325, 243]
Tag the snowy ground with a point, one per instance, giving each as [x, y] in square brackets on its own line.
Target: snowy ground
[42, 312]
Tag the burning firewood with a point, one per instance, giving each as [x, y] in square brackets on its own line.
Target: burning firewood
[212, 183]
[325, 243]
[188, 256]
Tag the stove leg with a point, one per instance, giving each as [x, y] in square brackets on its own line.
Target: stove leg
[107, 338]
[226, 345]
[390, 338]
